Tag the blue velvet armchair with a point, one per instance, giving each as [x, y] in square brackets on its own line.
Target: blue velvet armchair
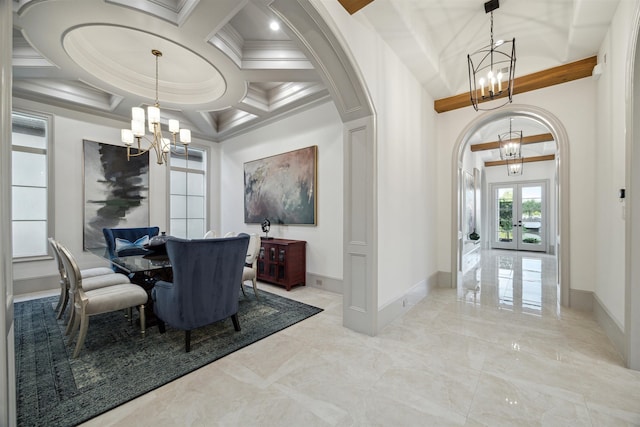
[206, 273]
[127, 241]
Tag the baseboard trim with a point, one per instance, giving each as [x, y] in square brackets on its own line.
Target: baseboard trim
[444, 279]
[612, 329]
[325, 283]
[581, 300]
[36, 284]
[396, 308]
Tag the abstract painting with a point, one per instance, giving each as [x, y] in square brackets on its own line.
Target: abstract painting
[116, 191]
[281, 188]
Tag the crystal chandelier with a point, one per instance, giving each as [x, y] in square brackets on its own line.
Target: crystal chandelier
[492, 68]
[157, 142]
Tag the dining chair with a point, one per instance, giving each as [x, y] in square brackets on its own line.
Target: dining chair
[127, 241]
[204, 290]
[250, 271]
[64, 281]
[210, 234]
[98, 301]
[231, 234]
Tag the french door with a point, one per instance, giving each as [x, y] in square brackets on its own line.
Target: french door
[519, 216]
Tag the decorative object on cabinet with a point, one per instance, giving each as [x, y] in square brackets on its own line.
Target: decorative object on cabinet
[116, 192]
[282, 187]
[283, 262]
[266, 226]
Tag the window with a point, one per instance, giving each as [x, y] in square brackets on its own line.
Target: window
[30, 185]
[187, 190]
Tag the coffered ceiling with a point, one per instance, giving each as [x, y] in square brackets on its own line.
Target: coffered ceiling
[223, 70]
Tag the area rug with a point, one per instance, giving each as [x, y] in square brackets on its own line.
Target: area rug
[116, 363]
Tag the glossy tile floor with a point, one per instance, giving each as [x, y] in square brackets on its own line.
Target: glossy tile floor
[499, 351]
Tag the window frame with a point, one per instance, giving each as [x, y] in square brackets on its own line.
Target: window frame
[50, 185]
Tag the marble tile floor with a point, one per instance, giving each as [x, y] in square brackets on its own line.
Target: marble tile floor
[500, 355]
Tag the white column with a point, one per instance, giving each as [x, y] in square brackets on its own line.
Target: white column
[360, 274]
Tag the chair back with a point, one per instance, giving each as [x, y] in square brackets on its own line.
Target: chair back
[253, 250]
[128, 241]
[206, 273]
[72, 272]
[56, 254]
[210, 234]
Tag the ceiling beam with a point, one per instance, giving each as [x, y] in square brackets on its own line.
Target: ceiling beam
[532, 139]
[525, 160]
[352, 6]
[552, 76]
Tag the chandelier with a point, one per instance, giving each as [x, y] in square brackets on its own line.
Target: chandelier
[514, 166]
[157, 142]
[510, 143]
[492, 68]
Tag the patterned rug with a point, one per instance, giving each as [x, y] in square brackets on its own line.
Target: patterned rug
[117, 364]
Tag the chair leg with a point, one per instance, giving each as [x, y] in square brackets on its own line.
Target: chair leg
[72, 327]
[255, 287]
[236, 322]
[242, 289]
[84, 325]
[161, 326]
[62, 302]
[187, 341]
[143, 320]
[72, 318]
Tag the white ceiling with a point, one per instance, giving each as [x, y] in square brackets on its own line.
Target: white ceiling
[223, 70]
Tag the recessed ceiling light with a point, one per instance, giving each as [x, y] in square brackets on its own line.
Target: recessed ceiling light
[274, 26]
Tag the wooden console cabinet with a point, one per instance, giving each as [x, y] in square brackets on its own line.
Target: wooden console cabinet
[283, 262]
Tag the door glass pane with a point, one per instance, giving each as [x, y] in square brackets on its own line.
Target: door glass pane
[531, 208]
[505, 215]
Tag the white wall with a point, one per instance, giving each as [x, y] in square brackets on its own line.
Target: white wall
[319, 126]
[574, 104]
[69, 130]
[406, 160]
[610, 166]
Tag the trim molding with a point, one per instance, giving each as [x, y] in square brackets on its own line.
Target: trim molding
[405, 302]
[444, 279]
[581, 300]
[36, 284]
[612, 329]
[325, 283]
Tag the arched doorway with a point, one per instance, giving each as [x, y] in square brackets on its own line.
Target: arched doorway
[562, 161]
